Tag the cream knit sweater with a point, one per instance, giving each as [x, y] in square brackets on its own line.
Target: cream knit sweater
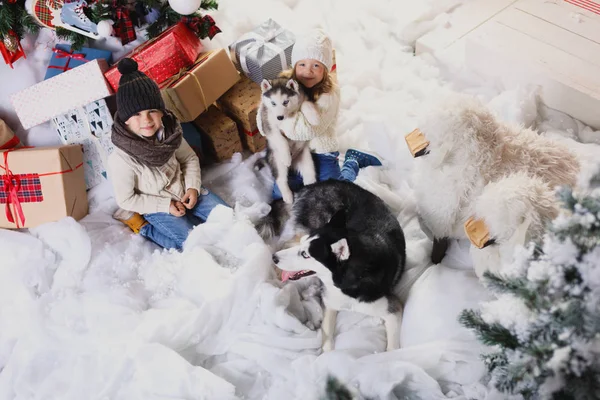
[323, 137]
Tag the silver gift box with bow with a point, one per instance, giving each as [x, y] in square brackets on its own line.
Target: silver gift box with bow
[264, 52]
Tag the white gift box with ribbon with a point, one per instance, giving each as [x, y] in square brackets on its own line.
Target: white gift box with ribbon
[90, 126]
[264, 52]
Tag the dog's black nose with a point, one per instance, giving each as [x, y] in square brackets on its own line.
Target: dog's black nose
[275, 258]
[280, 117]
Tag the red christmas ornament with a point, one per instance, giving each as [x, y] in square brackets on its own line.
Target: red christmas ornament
[8, 50]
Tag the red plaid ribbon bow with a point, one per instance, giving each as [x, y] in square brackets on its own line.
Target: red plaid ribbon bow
[123, 25]
[69, 56]
[12, 186]
[206, 22]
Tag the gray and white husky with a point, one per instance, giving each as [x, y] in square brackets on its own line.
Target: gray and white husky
[282, 99]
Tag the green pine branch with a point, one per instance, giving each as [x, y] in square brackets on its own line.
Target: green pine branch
[336, 390]
[515, 286]
[209, 5]
[489, 334]
[77, 41]
[14, 17]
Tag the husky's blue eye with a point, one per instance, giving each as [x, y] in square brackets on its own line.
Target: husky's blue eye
[304, 254]
[273, 103]
[285, 103]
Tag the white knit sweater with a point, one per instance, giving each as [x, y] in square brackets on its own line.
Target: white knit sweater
[323, 137]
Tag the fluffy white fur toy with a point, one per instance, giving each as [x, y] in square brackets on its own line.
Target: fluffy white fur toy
[468, 149]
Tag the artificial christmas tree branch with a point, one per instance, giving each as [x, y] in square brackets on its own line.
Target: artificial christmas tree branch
[549, 348]
[14, 17]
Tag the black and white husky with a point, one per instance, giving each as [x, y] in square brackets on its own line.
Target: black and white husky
[282, 99]
[352, 243]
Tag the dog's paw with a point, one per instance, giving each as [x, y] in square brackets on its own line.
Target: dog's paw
[288, 197]
[310, 180]
[327, 345]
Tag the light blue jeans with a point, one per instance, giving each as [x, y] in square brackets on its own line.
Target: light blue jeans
[169, 231]
[327, 167]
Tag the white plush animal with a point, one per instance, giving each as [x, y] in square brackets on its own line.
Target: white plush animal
[515, 209]
[468, 149]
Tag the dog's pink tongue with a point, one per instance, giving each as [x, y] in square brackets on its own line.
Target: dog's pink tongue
[285, 275]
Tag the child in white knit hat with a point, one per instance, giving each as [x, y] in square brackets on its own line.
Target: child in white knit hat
[312, 60]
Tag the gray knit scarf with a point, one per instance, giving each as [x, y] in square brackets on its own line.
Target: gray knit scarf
[149, 151]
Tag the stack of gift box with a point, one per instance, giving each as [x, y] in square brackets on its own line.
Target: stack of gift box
[216, 106]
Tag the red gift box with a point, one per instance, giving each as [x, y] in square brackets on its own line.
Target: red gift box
[164, 56]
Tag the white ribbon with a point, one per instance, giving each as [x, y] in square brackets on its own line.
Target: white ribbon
[258, 42]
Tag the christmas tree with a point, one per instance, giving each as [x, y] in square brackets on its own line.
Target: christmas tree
[545, 324]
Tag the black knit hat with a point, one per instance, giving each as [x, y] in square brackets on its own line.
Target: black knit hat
[136, 91]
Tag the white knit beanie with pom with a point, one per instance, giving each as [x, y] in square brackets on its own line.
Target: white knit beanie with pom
[315, 45]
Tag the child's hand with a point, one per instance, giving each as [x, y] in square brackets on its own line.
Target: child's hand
[190, 198]
[177, 209]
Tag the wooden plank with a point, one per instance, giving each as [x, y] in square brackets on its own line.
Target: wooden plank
[465, 19]
[552, 35]
[498, 51]
[564, 15]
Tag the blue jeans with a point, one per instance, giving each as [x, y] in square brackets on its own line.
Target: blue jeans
[169, 231]
[327, 167]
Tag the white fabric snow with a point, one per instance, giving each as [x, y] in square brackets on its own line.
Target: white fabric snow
[90, 311]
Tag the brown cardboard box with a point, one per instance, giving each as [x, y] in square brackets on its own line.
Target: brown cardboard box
[221, 132]
[196, 89]
[241, 103]
[8, 140]
[48, 184]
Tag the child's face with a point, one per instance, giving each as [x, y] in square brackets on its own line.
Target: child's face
[310, 72]
[145, 123]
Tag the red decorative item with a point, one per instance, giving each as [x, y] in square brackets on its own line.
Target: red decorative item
[42, 13]
[11, 56]
[123, 25]
[164, 56]
[195, 22]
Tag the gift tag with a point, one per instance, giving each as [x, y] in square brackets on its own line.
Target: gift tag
[417, 143]
[478, 233]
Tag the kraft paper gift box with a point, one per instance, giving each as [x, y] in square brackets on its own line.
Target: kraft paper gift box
[164, 56]
[41, 184]
[264, 52]
[65, 59]
[89, 126]
[8, 139]
[240, 103]
[72, 89]
[189, 94]
[221, 134]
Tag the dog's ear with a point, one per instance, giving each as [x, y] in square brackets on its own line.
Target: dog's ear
[265, 85]
[339, 219]
[341, 249]
[293, 85]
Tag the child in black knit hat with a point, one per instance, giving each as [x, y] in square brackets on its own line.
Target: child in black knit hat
[154, 171]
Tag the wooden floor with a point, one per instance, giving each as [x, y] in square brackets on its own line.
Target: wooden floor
[554, 44]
